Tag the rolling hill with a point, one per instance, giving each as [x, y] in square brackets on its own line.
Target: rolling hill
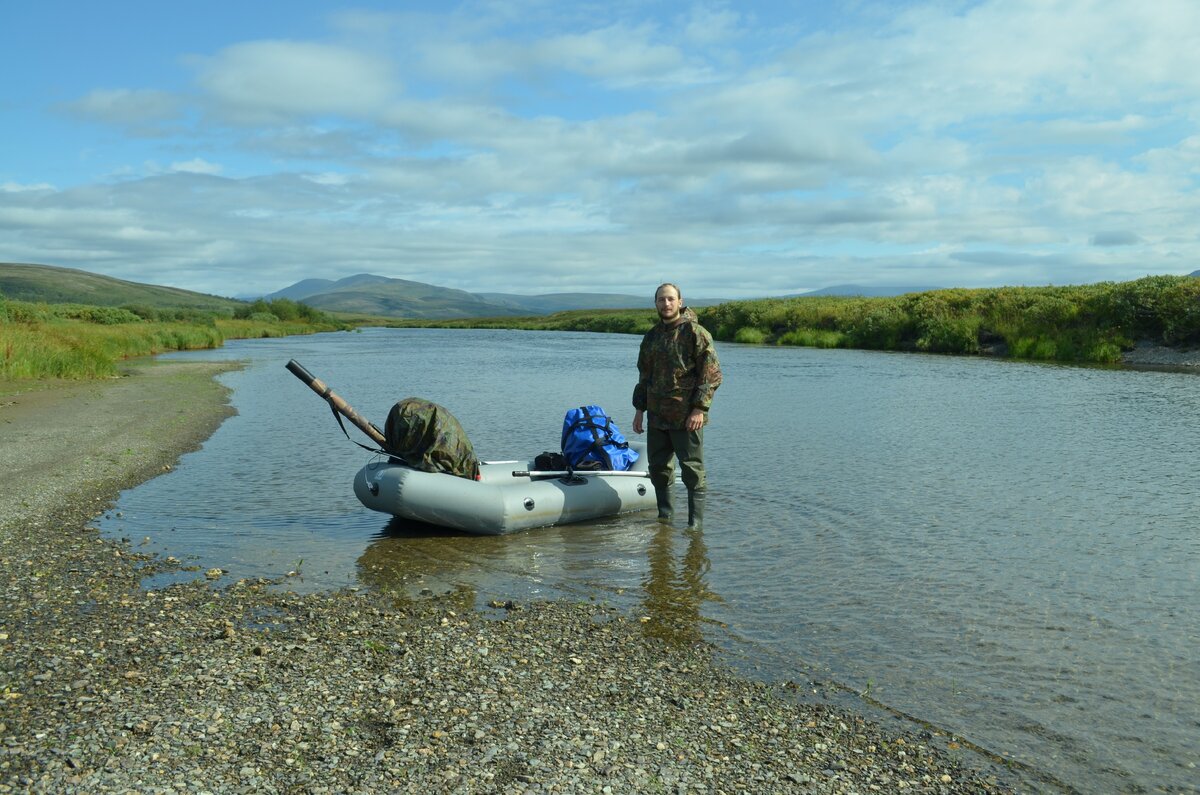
[865, 291]
[52, 285]
[562, 302]
[306, 288]
[366, 293]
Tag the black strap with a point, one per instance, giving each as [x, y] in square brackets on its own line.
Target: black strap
[590, 423]
[597, 442]
[597, 446]
[337, 416]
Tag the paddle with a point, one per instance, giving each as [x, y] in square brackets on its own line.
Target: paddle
[340, 407]
[535, 473]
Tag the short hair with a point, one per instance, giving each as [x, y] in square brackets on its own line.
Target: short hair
[678, 292]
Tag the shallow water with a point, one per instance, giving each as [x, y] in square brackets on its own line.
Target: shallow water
[1007, 551]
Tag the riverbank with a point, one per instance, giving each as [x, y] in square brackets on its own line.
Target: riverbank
[219, 687]
[1149, 354]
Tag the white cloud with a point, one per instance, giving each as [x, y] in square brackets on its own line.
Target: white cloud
[196, 166]
[13, 187]
[328, 178]
[1183, 158]
[491, 146]
[264, 81]
[140, 110]
[616, 55]
[706, 26]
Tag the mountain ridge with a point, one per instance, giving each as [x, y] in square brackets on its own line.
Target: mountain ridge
[394, 297]
[52, 284]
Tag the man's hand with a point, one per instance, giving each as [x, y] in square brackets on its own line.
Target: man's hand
[695, 420]
[637, 421]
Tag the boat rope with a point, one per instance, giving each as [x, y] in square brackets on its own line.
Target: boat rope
[338, 416]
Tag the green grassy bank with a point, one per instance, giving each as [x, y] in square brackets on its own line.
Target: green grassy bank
[79, 341]
[1082, 323]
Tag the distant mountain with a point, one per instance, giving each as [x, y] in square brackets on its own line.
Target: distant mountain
[562, 302]
[309, 287]
[52, 285]
[1194, 273]
[379, 295]
[361, 294]
[867, 291]
[429, 306]
[367, 294]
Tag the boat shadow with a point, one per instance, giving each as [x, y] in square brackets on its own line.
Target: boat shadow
[401, 528]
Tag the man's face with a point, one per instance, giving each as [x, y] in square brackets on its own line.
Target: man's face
[667, 302]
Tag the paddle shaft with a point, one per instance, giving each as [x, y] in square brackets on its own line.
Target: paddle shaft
[521, 473]
[339, 405]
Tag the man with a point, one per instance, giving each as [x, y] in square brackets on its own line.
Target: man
[678, 373]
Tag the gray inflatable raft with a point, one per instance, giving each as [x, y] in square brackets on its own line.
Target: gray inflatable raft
[501, 502]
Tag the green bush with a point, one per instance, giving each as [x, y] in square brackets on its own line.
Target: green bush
[812, 338]
[1091, 323]
[1039, 348]
[950, 335]
[750, 336]
[101, 315]
[881, 325]
[1105, 353]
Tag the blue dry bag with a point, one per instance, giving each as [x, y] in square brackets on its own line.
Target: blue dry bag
[591, 440]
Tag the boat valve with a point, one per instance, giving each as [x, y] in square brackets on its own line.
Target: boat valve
[528, 503]
[373, 487]
[641, 489]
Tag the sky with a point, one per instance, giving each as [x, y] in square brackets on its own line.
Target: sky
[737, 149]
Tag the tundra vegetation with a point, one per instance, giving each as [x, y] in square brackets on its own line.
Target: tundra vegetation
[80, 341]
[1080, 323]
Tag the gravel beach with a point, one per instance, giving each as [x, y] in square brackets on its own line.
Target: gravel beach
[214, 686]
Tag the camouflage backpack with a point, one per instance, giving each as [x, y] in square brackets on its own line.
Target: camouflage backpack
[429, 438]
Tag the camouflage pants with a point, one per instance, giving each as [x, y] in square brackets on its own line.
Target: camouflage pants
[687, 446]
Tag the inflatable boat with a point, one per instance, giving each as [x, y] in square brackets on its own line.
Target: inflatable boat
[509, 495]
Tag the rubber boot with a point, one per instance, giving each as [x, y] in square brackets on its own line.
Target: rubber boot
[666, 511]
[695, 508]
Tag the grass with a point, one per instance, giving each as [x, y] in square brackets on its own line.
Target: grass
[74, 341]
[1080, 323]
[613, 321]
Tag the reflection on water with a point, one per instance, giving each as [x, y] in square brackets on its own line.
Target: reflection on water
[413, 559]
[1008, 551]
[675, 587]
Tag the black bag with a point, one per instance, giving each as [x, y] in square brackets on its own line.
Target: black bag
[550, 462]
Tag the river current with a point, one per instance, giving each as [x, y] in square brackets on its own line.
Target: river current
[1006, 551]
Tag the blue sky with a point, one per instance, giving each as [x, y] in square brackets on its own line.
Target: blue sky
[738, 149]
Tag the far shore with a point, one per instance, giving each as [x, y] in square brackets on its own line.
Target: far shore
[1148, 354]
[223, 687]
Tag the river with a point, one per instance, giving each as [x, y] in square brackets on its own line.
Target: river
[1006, 551]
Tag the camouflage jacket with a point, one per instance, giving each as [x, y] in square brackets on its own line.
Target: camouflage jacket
[677, 371]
